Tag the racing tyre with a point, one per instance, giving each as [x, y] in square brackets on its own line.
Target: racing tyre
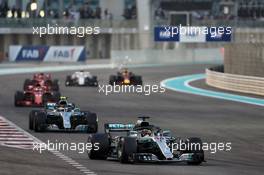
[39, 124]
[27, 82]
[19, 96]
[138, 80]
[92, 122]
[100, 152]
[68, 81]
[48, 83]
[112, 80]
[32, 115]
[55, 85]
[56, 96]
[29, 96]
[126, 148]
[46, 98]
[94, 78]
[198, 152]
[92, 81]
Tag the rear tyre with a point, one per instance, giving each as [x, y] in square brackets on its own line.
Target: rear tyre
[56, 96]
[94, 78]
[40, 124]
[112, 79]
[32, 115]
[100, 152]
[19, 96]
[91, 81]
[27, 82]
[48, 83]
[126, 148]
[95, 81]
[55, 85]
[137, 80]
[68, 81]
[46, 98]
[92, 122]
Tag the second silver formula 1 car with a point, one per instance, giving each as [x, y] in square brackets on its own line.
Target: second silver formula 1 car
[143, 142]
[81, 78]
[64, 116]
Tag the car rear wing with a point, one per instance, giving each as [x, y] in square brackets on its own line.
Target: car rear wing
[118, 127]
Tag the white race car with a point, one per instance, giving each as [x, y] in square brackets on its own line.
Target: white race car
[81, 78]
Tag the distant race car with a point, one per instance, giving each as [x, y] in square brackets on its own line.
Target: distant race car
[42, 80]
[81, 78]
[36, 95]
[62, 115]
[142, 142]
[125, 78]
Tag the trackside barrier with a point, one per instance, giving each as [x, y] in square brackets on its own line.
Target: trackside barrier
[175, 56]
[47, 53]
[247, 84]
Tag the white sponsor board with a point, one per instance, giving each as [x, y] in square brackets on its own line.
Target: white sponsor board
[64, 53]
[47, 53]
[192, 34]
[13, 52]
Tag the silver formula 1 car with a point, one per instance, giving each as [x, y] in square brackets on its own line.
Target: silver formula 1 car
[143, 142]
[64, 116]
[81, 78]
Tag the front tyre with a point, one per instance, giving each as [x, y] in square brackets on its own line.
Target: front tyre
[32, 114]
[19, 96]
[100, 146]
[40, 122]
[126, 148]
[198, 153]
[92, 122]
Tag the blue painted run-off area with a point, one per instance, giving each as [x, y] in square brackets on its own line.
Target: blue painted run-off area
[181, 84]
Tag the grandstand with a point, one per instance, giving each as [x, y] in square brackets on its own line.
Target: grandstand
[125, 24]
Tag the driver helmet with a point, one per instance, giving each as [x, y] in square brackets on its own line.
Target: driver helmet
[138, 123]
[63, 102]
[38, 87]
[146, 133]
[126, 71]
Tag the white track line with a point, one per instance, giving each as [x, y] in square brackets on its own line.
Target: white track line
[15, 139]
[11, 132]
[12, 136]
[27, 145]
[7, 129]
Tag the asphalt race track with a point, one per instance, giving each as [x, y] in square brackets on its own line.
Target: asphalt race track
[213, 120]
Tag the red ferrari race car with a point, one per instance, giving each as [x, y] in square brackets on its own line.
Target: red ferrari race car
[125, 77]
[36, 96]
[42, 80]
